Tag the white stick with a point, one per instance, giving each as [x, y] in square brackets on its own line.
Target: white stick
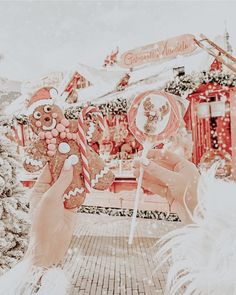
[136, 202]
[146, 147]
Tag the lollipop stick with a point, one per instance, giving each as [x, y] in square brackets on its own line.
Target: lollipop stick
[136, 202]
[146, 148]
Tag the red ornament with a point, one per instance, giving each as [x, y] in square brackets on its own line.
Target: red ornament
[216, 66]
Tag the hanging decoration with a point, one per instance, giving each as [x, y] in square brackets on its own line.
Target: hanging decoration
[123, 82]
[111, 58]
[186, 84]
[115, 107]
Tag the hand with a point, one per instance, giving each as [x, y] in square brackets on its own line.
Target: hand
[170, 176]
[52, 225]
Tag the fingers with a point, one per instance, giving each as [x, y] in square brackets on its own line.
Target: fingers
[64, 180]
[43, 182]
[166, 176]
[156, 171]
[150, 183]
[155, 188]
[167, 158]
[155, 154]
[161, 154]
[41, 186]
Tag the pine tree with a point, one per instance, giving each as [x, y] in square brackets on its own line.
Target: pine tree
[14, 224]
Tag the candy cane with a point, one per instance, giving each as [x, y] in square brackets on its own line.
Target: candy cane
[83, 141]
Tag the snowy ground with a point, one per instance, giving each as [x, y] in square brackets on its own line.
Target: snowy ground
[101, 261]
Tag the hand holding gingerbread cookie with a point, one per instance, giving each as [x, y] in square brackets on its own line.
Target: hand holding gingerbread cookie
[58, 139]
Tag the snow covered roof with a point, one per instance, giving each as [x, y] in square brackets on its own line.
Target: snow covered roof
[147, 77]
[103, 82]
[155, 75]
[97, 77]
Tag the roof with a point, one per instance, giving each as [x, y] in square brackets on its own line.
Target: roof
[103, 82]
[105, 79]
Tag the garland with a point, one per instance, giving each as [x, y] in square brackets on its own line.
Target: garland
[116, 107]
[186, 84]
[22, 119]
[181, 86]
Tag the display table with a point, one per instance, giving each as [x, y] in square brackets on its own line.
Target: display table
[124, 181]
[123, 184]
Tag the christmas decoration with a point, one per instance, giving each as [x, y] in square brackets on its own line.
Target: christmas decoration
[22, 119]
[14, 223]
[59, 139]
[83, 141]
[159, 51]
[153, 117]
[123, 82]
[208, 117]
[111, 59]
[221, 56]
[186, 84]
[118, 106]
[76, 82]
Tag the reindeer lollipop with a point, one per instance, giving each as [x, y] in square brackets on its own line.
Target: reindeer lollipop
[59, 139]
[153, 117]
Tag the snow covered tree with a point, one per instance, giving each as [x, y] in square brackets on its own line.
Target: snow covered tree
[14, 225]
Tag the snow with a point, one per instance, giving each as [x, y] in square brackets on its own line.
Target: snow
[7, 85]
[104, 81]
[17, 107]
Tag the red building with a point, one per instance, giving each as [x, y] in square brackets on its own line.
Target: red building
[209, 119]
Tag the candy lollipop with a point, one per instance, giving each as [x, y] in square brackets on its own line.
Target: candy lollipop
[153, 117]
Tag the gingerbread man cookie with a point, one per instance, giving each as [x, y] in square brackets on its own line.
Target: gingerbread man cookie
[58, 139]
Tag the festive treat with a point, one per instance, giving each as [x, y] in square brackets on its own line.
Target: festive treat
[93, 126]
[153, 116]
[59, 139]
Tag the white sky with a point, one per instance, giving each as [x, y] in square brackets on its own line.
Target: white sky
[39, 37]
